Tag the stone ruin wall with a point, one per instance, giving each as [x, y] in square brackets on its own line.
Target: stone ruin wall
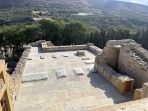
[37, 43]
[15, 77]
[125, 57]
[132, 63]
[88, 46]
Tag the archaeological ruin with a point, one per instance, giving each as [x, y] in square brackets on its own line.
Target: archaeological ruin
[77, 78]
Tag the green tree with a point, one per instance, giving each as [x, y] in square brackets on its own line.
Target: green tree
[51, 30]
[75, 32]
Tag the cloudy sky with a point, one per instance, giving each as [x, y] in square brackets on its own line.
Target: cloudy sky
[144, 2]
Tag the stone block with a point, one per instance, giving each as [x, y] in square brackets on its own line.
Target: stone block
[80, 53]
[35, 77]
[61, 73]
[41, 57]
[54, 56]
[78, 71]
[144, 93]
[91, 68]
[137, 94]
[89, 61]
[65, 55]
[85, 58]
[125, 84]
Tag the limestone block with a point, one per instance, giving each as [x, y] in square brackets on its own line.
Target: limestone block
[78, 71]
[91, 68]
[85, 58]
[65, 55]
[144, 93]
[125, 84]
[41, 57]
[35, 77]
[54, 56]
[61, 73]
[81, 53]
[137, 94]
[89, 61]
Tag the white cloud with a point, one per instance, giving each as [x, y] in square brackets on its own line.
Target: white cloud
[144, 2]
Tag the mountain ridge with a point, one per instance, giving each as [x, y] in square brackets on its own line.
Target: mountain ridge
[110, 11]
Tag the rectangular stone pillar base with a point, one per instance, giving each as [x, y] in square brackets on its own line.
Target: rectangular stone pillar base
[137, 94]
[125, 84]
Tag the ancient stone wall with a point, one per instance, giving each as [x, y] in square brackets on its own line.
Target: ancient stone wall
[89, 46]
[37, 43]
[133, 62]
[109, 56]
[64, 48]
[122, 82]
[95, 49]
[15, 78]
[128, 58]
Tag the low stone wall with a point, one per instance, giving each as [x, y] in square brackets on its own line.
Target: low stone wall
[121, 82]
[15, 78]
[64, 48]
[95, 49]
[133, 65]
[89, 46]
[143, 53]
[37, 43]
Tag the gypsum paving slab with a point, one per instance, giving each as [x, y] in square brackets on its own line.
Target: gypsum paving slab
[41, 57]
[89, 61]
[35, 77]
[65, 55]
[91, 68]
[54, 56]
[80, 53]
[78, 71]
[60, 73]
[85, 58]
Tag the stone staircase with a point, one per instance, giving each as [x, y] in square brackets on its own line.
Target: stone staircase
[137, 57]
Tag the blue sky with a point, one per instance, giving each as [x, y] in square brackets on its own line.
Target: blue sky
[144, 2]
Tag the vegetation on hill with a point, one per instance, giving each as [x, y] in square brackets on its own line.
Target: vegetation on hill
[70, 22]
[96, 13]
[62, 33]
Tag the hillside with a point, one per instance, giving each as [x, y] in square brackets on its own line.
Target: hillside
[94, 12]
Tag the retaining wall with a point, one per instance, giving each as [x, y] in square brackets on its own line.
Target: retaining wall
[121, 82]
[15, 77]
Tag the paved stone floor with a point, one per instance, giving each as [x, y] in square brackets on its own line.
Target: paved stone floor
[73, 93]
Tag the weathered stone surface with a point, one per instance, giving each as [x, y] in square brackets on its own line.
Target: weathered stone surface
[81, 53]
[35, 77]
[15, 78]
[127, 57]
[78, 71]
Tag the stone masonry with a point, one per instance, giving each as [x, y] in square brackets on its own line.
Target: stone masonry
[126, 57]
[15, 78]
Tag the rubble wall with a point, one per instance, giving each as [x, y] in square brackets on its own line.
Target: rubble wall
[95, 49]
[133, 64]
[15, 77]
[64, 48]
[109, 56]
[118, 80]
